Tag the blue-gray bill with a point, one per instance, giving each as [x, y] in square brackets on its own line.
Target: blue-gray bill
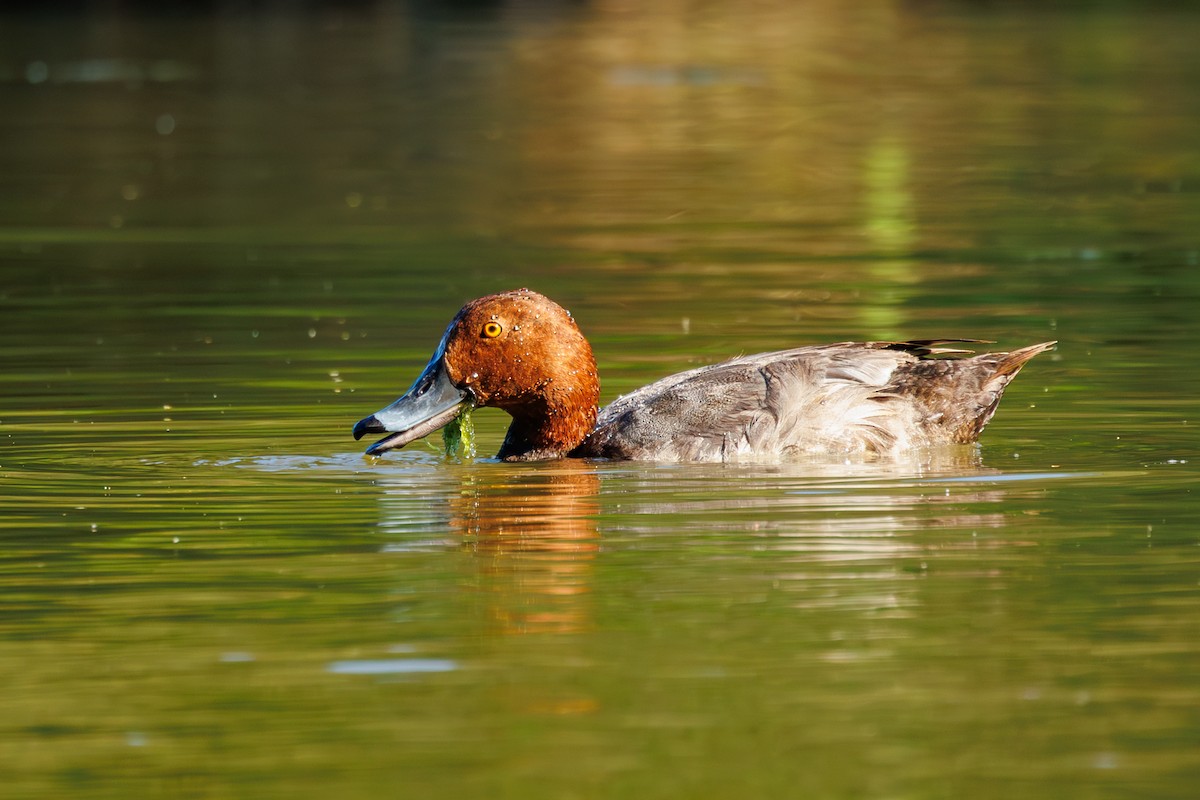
[430, 403]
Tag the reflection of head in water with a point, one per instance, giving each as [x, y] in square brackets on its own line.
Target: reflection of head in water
[534, 530]
[549, 507]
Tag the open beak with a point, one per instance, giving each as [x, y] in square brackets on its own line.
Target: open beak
[430, 403]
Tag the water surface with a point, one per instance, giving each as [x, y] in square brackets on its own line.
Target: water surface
[228, 235]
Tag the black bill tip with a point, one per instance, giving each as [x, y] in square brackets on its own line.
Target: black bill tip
[370, 424]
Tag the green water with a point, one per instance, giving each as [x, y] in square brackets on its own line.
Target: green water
[227, 236]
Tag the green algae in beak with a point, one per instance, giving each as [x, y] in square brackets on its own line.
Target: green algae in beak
[459, 434]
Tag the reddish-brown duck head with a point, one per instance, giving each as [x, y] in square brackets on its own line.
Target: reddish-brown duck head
[518, 351]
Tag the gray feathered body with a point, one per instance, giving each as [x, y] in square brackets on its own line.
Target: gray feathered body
[846, 398]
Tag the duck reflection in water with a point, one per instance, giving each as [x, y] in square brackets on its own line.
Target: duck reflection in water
[534, 532]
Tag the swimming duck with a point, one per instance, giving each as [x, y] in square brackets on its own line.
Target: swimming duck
[522, 352]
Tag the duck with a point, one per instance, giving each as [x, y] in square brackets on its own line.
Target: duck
[521, 352]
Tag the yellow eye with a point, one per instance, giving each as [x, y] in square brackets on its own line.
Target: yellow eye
[492, 329]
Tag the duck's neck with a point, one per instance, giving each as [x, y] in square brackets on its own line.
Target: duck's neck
[547, 431]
